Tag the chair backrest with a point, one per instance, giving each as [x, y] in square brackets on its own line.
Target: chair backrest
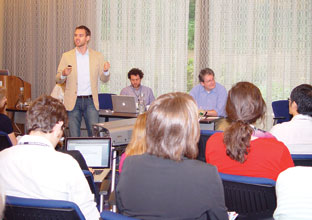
[5, 141]
[34, 209]
[90, 179]
[281, 111]
[250, 197]
[105, 101]
[107, 215]
[204, 136]
[302, 159]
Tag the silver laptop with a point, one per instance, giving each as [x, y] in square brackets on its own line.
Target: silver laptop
[124, 104]
[96, 151]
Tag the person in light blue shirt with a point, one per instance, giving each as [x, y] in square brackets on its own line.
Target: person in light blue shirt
[135, 76]
[209, 95]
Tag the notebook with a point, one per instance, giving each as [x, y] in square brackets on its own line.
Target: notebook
[96, 151]
[124, 104]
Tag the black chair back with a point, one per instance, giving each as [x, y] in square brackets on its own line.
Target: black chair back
[5, 141]
[281, 111]
[36, 209]
[302, 159]
[250, 200]
[105, 101]
[204, 136]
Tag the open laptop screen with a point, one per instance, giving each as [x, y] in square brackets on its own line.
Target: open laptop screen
[124, 104]
[96, 150]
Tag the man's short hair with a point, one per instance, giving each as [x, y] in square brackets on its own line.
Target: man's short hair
[88, 32]
[204, 72]
[302, 95]
[135, 72]
[45, 113]
[172, 128]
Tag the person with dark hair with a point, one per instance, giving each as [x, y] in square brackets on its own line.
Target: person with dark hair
[243, 149]
[167, 182]
[137, 90]
[5, 122]
[209, 95]
[296, 134]
[34, 169]
[81, 68]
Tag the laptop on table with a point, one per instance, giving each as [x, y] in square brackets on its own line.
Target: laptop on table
[124, 104]
[96, 151]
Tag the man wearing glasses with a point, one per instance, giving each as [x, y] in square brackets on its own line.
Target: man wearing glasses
[209, 95]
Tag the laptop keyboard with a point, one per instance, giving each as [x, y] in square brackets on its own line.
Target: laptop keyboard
[97, 172]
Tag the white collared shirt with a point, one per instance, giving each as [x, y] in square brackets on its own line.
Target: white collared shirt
[296, 134]
[34, 169]
[83, 73]
[294, 194]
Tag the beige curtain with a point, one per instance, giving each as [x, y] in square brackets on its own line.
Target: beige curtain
[37, 33]
[265, 42]
[150, 35]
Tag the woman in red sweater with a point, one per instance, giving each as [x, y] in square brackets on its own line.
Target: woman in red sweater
[243, 149]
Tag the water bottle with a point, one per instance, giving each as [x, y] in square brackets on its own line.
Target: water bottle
[21, 100]
[141, 104]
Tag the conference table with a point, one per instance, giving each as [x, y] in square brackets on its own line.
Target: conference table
[108, 114]
[18, 116]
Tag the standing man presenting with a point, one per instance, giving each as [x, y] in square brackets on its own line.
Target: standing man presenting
[136, 89]
[209, 95]
[81, 68]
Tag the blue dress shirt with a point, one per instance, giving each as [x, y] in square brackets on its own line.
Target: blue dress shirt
[212, 100]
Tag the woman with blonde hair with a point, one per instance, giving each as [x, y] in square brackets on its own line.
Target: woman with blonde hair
[5, 122]
[167, 182]
[243, 149]
[137, 143]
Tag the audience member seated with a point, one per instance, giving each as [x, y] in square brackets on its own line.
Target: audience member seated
[209, 95]
[167, 182]
[5, 122]
[243, 149]
[294, 194]
[34, 169]
[297, 133]
[136, 89]
[137, 143]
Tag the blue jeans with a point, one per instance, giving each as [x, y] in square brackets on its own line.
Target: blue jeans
[85, 108]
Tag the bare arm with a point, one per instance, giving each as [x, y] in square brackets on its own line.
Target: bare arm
[12, 138]
[211, 113]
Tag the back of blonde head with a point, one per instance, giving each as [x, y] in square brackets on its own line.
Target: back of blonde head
[137, 143]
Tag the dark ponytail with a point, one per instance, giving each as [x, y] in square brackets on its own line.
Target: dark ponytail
[237, 140]
[244, 106]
